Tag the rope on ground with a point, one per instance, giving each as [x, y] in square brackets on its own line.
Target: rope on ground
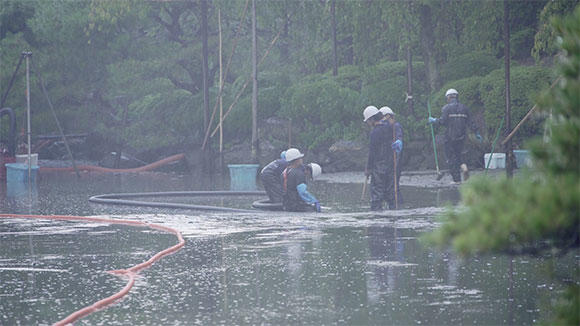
[131, 272]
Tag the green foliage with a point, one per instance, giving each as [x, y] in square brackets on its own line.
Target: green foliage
[323, 109]
[349, 76]
[515, 216]
[540, 209]
[526, 84]
[91, 52]
[546, 207]
[567, 312]
[478, 63]
[544, 40]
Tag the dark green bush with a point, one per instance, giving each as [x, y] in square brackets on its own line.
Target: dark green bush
[526, 84]
[324, 110]
[478, 63]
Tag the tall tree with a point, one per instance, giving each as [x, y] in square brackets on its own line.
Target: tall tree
[508, 124]
[334, 46]
[254, 86]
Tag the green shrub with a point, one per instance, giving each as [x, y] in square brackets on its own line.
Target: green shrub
[323, 109]
[478, 63]
[526, 83]
[349, 76]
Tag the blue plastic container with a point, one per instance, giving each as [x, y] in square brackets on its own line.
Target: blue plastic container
[243, 177]
[522, 158]
[17, 174]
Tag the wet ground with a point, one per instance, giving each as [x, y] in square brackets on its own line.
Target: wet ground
[342, 266]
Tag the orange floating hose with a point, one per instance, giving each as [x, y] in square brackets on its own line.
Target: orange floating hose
[131, 272]
[147, 167]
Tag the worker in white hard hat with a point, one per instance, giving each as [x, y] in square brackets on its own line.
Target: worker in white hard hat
[296, 197]
[396, 145]
[380, 160]
[314, 170]
[456, 117]
[271, 176]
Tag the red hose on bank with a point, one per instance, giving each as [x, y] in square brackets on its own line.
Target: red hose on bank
[129, 272]
[144, 168]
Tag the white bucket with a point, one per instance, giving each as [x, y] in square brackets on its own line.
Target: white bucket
[497, 160]
[23, 158]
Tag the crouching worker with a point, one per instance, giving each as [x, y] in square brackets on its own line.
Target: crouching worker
[296, 197]
[271, 176]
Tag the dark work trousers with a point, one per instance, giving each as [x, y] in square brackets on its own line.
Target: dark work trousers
[273, 186]
[453, 149]
[399, 169]
[382, 187]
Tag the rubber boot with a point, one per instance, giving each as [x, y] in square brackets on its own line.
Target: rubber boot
[464, 172]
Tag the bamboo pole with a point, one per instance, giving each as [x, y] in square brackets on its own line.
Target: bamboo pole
[246, 83]
[206, 137]
[526, 117]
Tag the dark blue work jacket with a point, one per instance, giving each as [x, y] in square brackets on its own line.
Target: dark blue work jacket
[380, 151]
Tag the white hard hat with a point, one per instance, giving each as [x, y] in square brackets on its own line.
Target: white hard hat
[369, 112]
[293, 154]
[451, 91]
[316, 170]
[386, 110]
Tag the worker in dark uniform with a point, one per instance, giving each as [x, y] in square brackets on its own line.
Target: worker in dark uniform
[271, 176]
[396, 145]
[296, 197]
[455, 116]
[380, 161]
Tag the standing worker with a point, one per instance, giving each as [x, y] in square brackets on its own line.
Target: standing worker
[455, 116]
[296, 197]
[380, 161]
[396, 145]
[271, 176]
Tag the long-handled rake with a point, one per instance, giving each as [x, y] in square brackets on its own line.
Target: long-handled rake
[439, 173]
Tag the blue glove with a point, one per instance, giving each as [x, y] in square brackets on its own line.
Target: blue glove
[479, 138]
[397, 146]
[432, 120]
[317, 207]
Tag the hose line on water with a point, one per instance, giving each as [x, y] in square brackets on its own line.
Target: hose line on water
[130, 272]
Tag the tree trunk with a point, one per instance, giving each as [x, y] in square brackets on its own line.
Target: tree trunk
[284, 49]
[205, 77]
[410, 81]
[428, 45]
[254, 86]
[506, 35]
[334, 51]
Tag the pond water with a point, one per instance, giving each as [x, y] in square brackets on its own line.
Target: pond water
[342, 266]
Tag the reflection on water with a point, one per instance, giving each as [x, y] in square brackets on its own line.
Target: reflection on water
[338, 267]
